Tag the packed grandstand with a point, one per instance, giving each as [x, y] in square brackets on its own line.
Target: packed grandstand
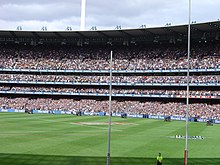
[69, 72]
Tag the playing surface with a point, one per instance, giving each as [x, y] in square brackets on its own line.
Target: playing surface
[66, 139]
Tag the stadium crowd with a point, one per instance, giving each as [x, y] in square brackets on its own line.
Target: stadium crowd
[200, 110]
[114, 91]
[140, 57]
[115, 79]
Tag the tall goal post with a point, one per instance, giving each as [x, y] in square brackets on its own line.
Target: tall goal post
[187, 98]
[110, 110]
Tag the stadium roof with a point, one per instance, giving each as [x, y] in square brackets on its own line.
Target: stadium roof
[198, 31]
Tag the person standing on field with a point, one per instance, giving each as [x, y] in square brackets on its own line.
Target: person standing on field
[159, 159]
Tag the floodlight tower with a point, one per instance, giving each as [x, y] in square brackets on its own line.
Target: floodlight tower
[83, 15]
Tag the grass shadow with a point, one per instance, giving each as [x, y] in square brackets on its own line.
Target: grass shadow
[26, 159]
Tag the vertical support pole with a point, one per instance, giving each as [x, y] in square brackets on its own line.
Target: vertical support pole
[110, 110]
[187, 98]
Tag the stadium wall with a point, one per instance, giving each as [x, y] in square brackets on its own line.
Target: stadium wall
[159, 117]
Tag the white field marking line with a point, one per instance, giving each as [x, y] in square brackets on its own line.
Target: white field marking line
[103, 123]
[52, 121]
[73, 133]
[68, 134]
[78, 133]
[97, 124]
[81, 134]
[20, 133]
[93, 126]
[15, 132]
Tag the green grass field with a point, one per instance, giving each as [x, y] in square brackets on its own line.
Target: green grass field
[44, 139]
